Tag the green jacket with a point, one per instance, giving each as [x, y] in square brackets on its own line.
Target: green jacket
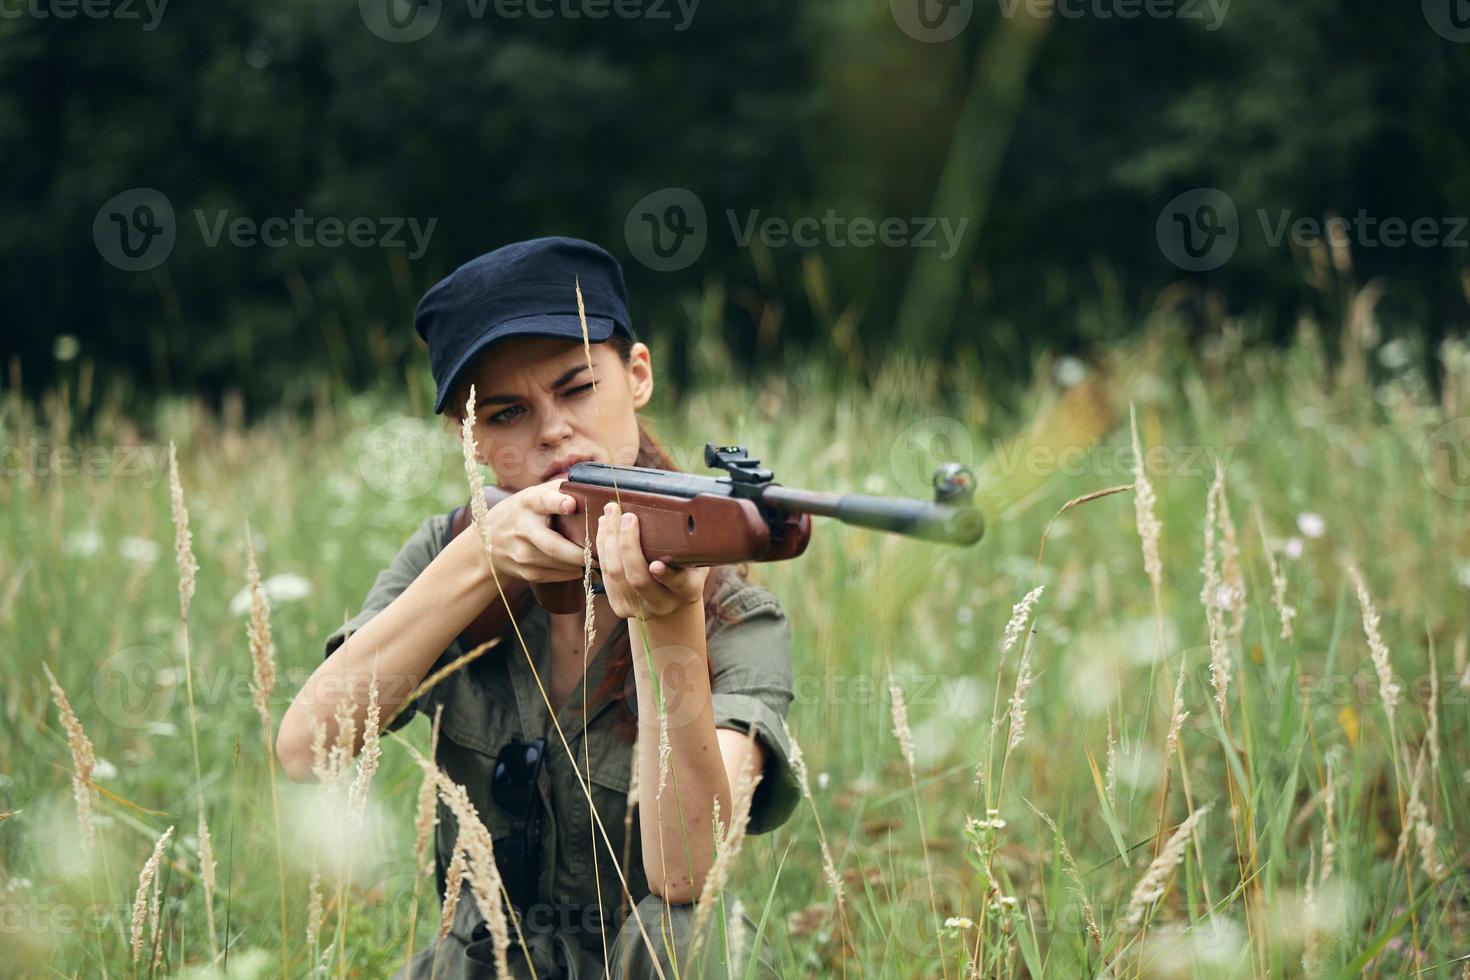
[494, 699]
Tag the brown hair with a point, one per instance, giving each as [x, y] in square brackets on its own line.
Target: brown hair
[614, 686]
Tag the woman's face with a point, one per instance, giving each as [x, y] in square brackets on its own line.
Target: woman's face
[536, 413]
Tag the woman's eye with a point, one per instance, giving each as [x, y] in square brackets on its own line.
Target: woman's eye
[504, 415]
[513, 412]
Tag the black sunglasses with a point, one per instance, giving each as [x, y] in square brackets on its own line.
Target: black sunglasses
[513, 790]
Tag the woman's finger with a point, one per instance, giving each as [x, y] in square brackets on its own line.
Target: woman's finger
[630, 553]
[608, 555]
[552, 549]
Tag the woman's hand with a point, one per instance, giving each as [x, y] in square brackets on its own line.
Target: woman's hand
[523, 543]
[633, 584]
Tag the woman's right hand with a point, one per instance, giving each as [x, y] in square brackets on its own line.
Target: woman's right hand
[524, 545]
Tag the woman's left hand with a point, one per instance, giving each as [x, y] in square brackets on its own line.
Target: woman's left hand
[634, 584]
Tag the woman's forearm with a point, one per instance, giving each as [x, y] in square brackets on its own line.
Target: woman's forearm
[404, 639]
[677, 836]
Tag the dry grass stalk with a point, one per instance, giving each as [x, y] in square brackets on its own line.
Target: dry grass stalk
[183, 540]
[188, 571]
[1020, 616]
[1232, 579]
[262, 686]
[319, 764]
[481, 872]
[1074, 877]
[315, 908]
[1417, 822]
[207, 864]
[628, 812]
[905, 738]
[1151, 886]
[425, 819]
[262, 646]
[1431, 732]
[1285, 612]
[478, 508]
[339, 756]
[427, 816]
[901, 729]
[83, 760]
[1177, 714]
[370, 755]
[665, 746]
[1018, 698]
[589, 619]
[1144, 500]
[1329, 849]
[1312, 951]
[146, 901]
[829, 867]
[737, 937]
[1210, 595]
[1110, 775]
[1388, 688]
[453, 884]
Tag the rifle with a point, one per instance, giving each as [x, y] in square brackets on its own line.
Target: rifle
[688, 519]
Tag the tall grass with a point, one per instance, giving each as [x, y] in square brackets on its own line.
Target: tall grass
[1284, 794]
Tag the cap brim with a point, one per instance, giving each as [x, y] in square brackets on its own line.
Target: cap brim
[567, 325]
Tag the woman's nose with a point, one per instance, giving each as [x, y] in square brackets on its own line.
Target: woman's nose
[554, 426]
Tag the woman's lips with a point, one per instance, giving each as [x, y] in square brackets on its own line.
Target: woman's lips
[563, 468]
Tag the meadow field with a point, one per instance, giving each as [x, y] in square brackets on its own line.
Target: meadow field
[1212, 723]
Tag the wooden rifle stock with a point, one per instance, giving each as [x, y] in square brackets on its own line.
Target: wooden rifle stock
[700, 530]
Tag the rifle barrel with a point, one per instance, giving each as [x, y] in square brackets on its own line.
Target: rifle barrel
[945, 523]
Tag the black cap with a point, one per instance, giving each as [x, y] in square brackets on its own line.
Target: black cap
[524, 289]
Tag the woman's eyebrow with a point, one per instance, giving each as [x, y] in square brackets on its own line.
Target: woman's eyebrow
[512, 399]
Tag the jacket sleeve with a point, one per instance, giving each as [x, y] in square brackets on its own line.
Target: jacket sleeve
[417, 552]
[750, 658]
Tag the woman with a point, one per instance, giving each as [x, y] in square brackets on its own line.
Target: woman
[507, 324]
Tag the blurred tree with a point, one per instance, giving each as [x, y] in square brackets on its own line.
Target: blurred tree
[496, 128]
